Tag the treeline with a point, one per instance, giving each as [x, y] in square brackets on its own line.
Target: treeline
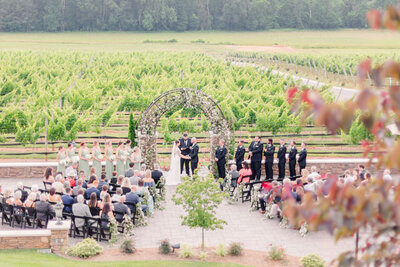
[183, 15]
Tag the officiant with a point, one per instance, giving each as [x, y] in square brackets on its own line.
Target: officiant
[184, 146]
[220, 158]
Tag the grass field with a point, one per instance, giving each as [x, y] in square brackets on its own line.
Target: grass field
[31, 258]
[215, 41]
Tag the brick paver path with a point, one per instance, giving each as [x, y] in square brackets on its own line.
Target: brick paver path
[249, 228]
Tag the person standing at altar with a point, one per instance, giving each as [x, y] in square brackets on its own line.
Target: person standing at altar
[84, 157]
[239, 155]
[97, 158]
[292, 159]
[121, 158]
[255, 153]
[302, 156]
[62, 160]
[109, 154]
[136, 158]
[70, 154]
[269, 159]
[194, 154]
[184, 146]
[220, 158]
[281, 159]
[129, 152]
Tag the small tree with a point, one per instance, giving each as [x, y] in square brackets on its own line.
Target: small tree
[131, 130]
[200, 198]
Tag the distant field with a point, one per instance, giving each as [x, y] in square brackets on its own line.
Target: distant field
[215, 41]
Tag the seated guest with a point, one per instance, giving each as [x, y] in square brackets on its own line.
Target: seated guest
[114, 178]
[92, 187]
[53, 197]
[310, 187]
[16, 200]
[132, 197]
[156, 174]
[66, 185]
[103, 181]
[43, 209]
[48, 176]
[7, 199]
[83, 177]
[147, 180]
[24, 194]
[245, 171]
[79, 185]
[58, 185]
[105, 214]
[142, 172]
[361, 171]
[143, 192]
[130, 172]
[93, 204]
[71, 171]
[386, 176]
[80, 209]
[106, 199]
[314, 173]
[287, 190]
[93, 182]
[92, 172]
[117, 196]
[67, 199]
[71, 179]
[30, 202]
[104, 191]
[265, 193]
[120, 207]
[348, 177]
[82, 192]
[35, 189]
[234, 175]
[120, 180]
[304, 175]
[126, 184]
[135, 178]
[298, 189]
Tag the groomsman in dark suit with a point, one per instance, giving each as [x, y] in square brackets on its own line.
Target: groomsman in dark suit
[184, 146]
[269, 158]
[292, 159]
[220, 158]
[302, 157]
[194, 157]
[281, 159]
[255, 154]
[239, 155]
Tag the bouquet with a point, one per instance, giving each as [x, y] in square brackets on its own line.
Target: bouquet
[88, 156]
[68, 160]
[75, 159]
[112, 158]
[63, 162]
[100, 157]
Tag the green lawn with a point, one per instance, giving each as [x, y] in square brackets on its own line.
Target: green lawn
[33, 258]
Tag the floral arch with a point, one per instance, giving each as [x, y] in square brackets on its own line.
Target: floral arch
[146, 131]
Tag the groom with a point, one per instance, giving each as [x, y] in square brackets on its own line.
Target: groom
[184, 146]
[194, 154]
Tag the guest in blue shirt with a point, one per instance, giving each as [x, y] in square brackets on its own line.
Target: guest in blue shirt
[67, 199]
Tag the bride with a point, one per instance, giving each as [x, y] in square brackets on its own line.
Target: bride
[174, 174]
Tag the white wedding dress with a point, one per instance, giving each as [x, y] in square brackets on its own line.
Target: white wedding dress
[174, 173]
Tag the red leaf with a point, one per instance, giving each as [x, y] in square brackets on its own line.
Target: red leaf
[374, 18]
[291, 93]
[305, 97]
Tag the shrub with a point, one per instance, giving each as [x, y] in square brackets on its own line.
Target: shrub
[235, 249]
[198, 41]
[312, 260]
[85, 249]
[127, 246]
[276, 253]
[203, 256]
[165, 247]
[186, 252]
[221, 250]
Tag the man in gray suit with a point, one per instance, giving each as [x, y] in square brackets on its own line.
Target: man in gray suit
[43, 208]
[130, 172]
[79, 185]
[80, 209]
[135, 178]
[122, 209]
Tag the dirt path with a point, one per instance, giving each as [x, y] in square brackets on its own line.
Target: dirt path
[268, 49]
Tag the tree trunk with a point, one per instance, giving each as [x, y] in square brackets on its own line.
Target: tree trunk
[202, 238]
